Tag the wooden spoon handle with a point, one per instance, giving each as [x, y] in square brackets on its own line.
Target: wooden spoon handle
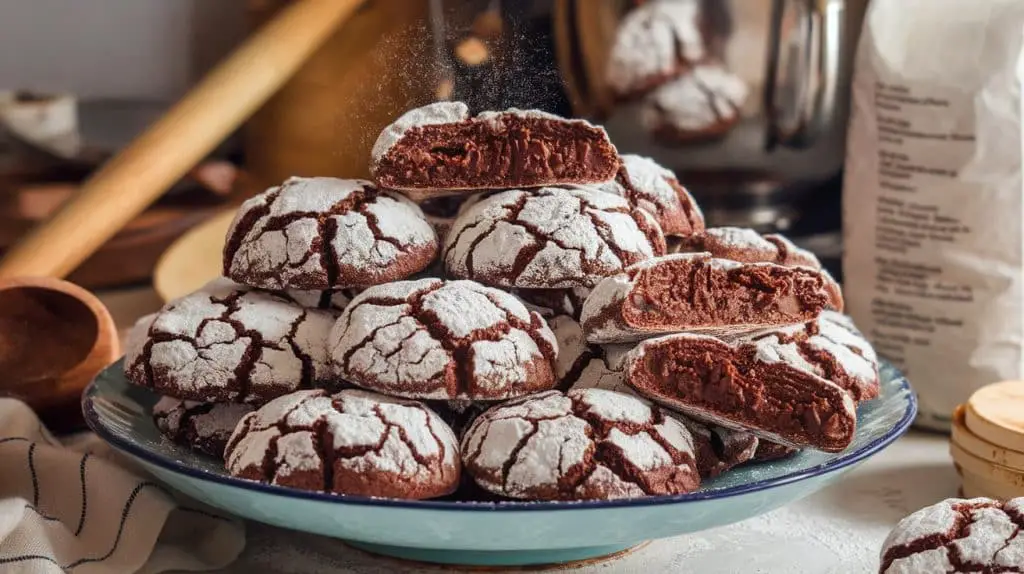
[134, 178]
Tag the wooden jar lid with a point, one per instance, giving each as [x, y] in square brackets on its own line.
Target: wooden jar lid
[995, 413]
[964, 438]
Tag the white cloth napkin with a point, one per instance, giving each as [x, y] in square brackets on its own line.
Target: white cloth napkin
[82, 508]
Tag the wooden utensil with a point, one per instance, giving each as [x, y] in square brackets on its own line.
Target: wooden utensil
[54, 338]
[194, 259]
[159, 157]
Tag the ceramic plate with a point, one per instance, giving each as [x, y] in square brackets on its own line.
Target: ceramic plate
[512, 533]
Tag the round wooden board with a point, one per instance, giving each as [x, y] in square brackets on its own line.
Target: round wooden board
[974, 486]
[995, 413]
[194, 259]
[975, 445]
[985, 469]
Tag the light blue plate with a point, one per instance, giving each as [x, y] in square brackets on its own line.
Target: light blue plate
[512, 533]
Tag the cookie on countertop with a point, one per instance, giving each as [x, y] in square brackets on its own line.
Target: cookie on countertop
[654, 43]
[230, 343]
[958, 535]
[204, 427]
[354, 442]
[759, 386]
[747, 246]
[701, 105]
[589, 444]
[549, 238]
[323, 233]
[440, 149]
[435, 339]
[648, 185]
[695, 291]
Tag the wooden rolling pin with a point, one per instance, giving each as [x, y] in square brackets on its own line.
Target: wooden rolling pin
[165, 152]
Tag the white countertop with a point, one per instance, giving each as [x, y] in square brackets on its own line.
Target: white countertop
[838, 530]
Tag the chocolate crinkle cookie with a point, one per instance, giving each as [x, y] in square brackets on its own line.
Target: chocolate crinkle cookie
[655, 43]
[648, 185]
[718, 448]
[589, 444]
[229, 343]
[354, 442]
[204, 427]
[550, 238]
[435, 339]
[747, 246]
[761, 386]
[957, 535]
[440, 149]
[698, 292]
[703, 104]
[769, 451]
[552, 302]
[323, 233]
[603, 369]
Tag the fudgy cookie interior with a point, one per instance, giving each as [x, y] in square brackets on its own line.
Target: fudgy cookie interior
[693, 293]
[707, 376]
[524, 152]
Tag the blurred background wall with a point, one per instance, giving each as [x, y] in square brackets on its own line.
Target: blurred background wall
[150, 49]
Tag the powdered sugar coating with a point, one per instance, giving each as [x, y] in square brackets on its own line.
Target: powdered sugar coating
[748, 246]
[958, 535]
[571, 345]
[549, 238]
[322, 233]
[229, 343]
[205, 427]
[589, 444]
[654, 43]
[430, 114]
[649, 186]
[707, 98]
[605, 370]
[354, 442]
[443, 340]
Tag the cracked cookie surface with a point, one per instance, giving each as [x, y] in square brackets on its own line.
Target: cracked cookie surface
[435, 339]
[230, 343]
[354, 442]
[323, 233]
[653, 44]
[549, 238]
[698, 292]
[589, 444]
[702, 104]
[204, 427]
[957, 535]
[747, 246]
[649, 186]
[440, 149]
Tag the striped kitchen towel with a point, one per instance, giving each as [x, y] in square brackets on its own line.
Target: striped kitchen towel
[83, 509]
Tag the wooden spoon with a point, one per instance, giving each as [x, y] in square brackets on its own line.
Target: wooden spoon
[54, 338]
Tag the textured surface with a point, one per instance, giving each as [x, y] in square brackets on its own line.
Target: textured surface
[747, 246]
[958, 535]
[589, 444]
[443, 340]
[653, 44]
[701, 104]
[694, 291]
[440, 150]
[320, 233]
[354, 442]
[227, 343]
[649, 186]
[205, 427]
[549, 238]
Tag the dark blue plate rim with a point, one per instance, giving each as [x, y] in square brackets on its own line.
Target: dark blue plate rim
[92, 418]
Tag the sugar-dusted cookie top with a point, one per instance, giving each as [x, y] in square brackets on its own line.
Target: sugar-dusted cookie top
[354, 442]
[323, 232]
[436, 339]
[440, 149]
[205, 427]
[230, 343]
[549, 238]
[648, 185]
[587, 444]
[702, 104]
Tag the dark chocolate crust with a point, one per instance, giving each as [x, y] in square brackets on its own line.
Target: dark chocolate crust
[719, 449]
[516, 150]
[711, 380]
[695, 291]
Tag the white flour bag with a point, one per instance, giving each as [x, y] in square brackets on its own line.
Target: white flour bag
[932, 197]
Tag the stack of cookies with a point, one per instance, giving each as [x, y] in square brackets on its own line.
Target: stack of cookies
[662, 58]
[987, 443]
[530, 337]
